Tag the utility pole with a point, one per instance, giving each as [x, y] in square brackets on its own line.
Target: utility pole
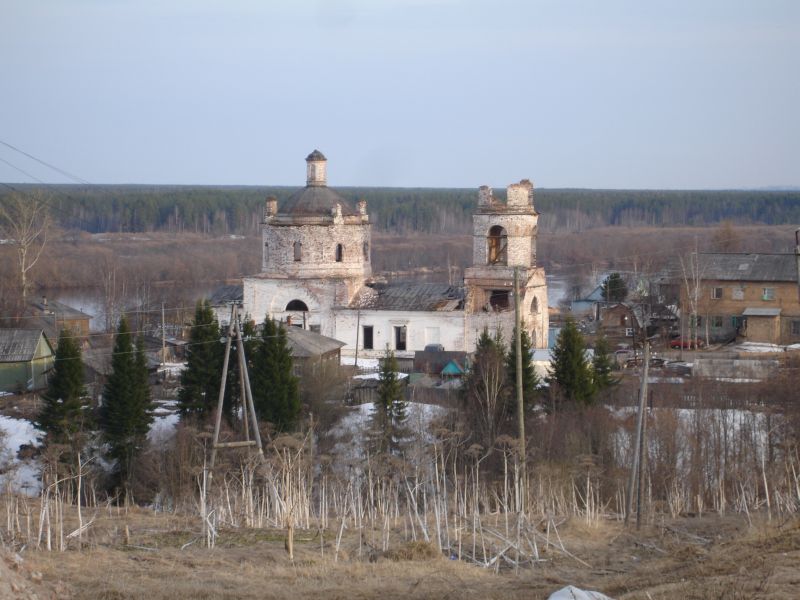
[797, 257]
[634, 483]
[163, 336]
[520, 397]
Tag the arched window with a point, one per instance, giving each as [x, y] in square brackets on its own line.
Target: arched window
[497, 242]
[366, 250]
[339, 253]
[266, 252]
[298, 305]
[535, 305]
[298, 252]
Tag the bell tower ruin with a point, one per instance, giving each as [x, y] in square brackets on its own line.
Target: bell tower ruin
[504, 239]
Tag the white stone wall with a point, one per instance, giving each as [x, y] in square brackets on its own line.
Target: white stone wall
[422, 328]
[316, 172]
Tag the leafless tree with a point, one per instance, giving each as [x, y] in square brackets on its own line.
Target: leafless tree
[25, 223]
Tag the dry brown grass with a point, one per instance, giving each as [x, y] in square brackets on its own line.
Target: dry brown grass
[709, 557]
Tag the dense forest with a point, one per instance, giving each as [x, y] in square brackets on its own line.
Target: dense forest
[238, 209]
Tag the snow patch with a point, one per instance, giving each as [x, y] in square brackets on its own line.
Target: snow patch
[22, 475]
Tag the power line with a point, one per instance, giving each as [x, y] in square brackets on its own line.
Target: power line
[67, 174]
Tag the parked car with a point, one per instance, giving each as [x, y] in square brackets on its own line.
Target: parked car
[680, 342]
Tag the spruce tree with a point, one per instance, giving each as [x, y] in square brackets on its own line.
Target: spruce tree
[614, 288]
[200, 380]
[530, 380]
[126, 412]
[65, 416]
[485, 390]
[570, 370]
[387, 427]
[602, 364]
[276, 394]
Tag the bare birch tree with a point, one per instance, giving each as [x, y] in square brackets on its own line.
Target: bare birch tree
[25, 223]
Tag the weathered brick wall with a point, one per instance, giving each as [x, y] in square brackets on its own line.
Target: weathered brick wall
[318, 251]
[519, 229]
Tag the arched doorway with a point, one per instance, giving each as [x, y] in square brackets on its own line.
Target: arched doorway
[297, 305]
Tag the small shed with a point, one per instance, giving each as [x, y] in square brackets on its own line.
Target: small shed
[453, 370]
[310, 348]
[762, 324]
[26, 358]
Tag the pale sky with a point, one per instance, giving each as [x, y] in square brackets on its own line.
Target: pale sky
[413, 93]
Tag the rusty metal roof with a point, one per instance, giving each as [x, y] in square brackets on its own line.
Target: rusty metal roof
[19, 345]
[415, 296]
[748, 267]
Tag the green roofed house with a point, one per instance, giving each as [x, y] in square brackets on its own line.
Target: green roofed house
[26, 358]
[452, 369]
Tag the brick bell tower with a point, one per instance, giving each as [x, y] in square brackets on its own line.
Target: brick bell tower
[504, 238]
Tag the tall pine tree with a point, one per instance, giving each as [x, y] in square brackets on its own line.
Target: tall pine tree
[200, 380]
[66, 417]
[126, 412]
[530, 380]
[570, 370]
[602, 364]
[387, 428]
[276, 394]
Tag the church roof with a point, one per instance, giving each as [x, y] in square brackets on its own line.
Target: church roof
[405, 296]
[316, 200]
[315, 155]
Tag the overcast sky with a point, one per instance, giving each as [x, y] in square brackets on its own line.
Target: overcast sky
[417, 93]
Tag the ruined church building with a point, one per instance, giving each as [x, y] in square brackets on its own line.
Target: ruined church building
[316, 273]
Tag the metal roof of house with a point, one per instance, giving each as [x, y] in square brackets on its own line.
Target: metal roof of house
[307, 344]
[60, 310]
[226, 293]
[748, 267]
[414, 296]
[761, 312]
[19, 345]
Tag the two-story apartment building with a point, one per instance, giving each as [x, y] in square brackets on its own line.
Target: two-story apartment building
[752, 296]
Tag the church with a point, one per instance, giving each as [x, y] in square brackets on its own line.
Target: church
[316, 274]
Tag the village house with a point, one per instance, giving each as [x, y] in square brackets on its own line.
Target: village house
[53, 316]
[316, 274]
[753, 297]
[26, 357]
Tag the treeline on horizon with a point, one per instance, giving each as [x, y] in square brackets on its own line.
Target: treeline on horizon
[239, 209]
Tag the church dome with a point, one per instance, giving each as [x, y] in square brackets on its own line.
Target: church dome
[316, 200]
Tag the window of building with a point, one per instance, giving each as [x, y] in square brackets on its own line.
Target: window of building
[366, 250]
[796, 327]
[266, 251]
[716, 322]
[298, 251]
[339, 253]
[400, 337]
[768, 294]
[315, 328]
[498, 242]
[367, 336]
[716, 293]
[535, 305]
[737, 322]
[500, 299]
[738, 293]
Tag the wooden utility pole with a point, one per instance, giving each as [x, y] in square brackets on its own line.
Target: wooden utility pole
[163, 336]
[797, 257]
[634, 483]
[520, 396]
[235, 332]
